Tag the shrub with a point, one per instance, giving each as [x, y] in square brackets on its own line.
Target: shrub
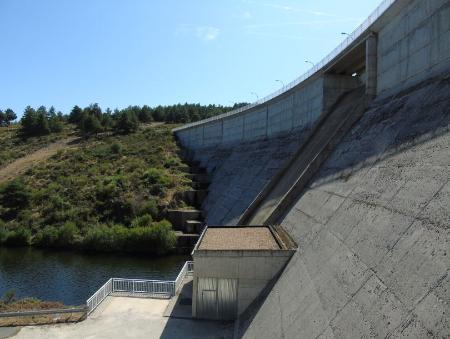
[158, 180]
[67, 234]
[90, 125]
[3, 234]
[55, 125]
[18, 237]
[157, 176]
[142, 221]
[171, 162]
[47, 237]
[116, 148]
[15, 195]
[9, 296]
[100, 238]
[163, 237]
[50, 236]
[127, 122]
[150, 207]
[155, 239]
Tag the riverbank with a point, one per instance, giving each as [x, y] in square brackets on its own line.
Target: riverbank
[156, 239]
[32, 311]
[9, 304]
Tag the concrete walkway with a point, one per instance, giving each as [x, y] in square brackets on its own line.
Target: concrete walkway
[122, 317]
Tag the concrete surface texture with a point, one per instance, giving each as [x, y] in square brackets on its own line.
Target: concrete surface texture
[373, 229]
[298, 109]
[288, 182]
[119, 317]
[238, 174]
[413, 44]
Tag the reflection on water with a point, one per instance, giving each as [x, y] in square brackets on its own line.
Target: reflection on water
[72, 277]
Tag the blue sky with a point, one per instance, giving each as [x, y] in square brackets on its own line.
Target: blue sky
[135, 52]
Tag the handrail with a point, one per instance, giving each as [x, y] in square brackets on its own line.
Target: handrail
[355, 35]
[99, 296]
[139, 287]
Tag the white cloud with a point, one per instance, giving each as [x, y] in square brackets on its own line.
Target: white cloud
[300, 23]
[207, 33]
[288, 8]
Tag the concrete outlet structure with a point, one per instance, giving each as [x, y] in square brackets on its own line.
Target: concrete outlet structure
[233, 266]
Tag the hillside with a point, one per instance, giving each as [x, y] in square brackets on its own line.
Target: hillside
[13, 146]
[110, 193]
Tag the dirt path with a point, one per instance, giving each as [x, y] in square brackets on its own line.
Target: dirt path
[21, 165]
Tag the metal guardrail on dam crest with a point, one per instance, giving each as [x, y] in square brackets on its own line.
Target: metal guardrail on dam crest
[357, 33]
[139, 287]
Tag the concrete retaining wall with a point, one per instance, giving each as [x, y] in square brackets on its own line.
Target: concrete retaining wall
[414, 44]
[298, 109]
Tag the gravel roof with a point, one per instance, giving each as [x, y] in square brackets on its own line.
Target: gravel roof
[238, 238]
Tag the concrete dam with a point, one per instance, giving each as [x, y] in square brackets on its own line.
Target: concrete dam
[353, 161]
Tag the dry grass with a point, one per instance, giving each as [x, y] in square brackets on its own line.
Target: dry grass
[30, 304]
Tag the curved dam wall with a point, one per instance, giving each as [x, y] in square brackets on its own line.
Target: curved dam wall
[296, 109]
[373, 231]
[373, 224]
[243, 151]
[239, 173]
[402, 43]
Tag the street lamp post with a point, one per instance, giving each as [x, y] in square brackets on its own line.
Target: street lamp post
[256, 95]
[281, 82]
[309, 62]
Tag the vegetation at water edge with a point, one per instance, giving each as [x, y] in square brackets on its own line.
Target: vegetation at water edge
[110, 193]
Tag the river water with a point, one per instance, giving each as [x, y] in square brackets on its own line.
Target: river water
[72, 277]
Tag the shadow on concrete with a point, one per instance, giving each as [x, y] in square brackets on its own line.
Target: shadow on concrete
[182, 325]
[181, 306]
[389, 127]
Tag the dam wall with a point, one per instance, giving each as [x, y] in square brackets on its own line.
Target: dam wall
[402, 43]
[373, 224]
[413, 45]
[239, 173]
[296, 109]
[373, 231]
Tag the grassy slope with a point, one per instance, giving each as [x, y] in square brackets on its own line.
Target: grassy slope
[102, 195]
[14, 147]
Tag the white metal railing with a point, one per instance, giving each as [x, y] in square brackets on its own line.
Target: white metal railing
[188, 269]
[356, 34]
[148, 288]
[140, 287]
[99, 296]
